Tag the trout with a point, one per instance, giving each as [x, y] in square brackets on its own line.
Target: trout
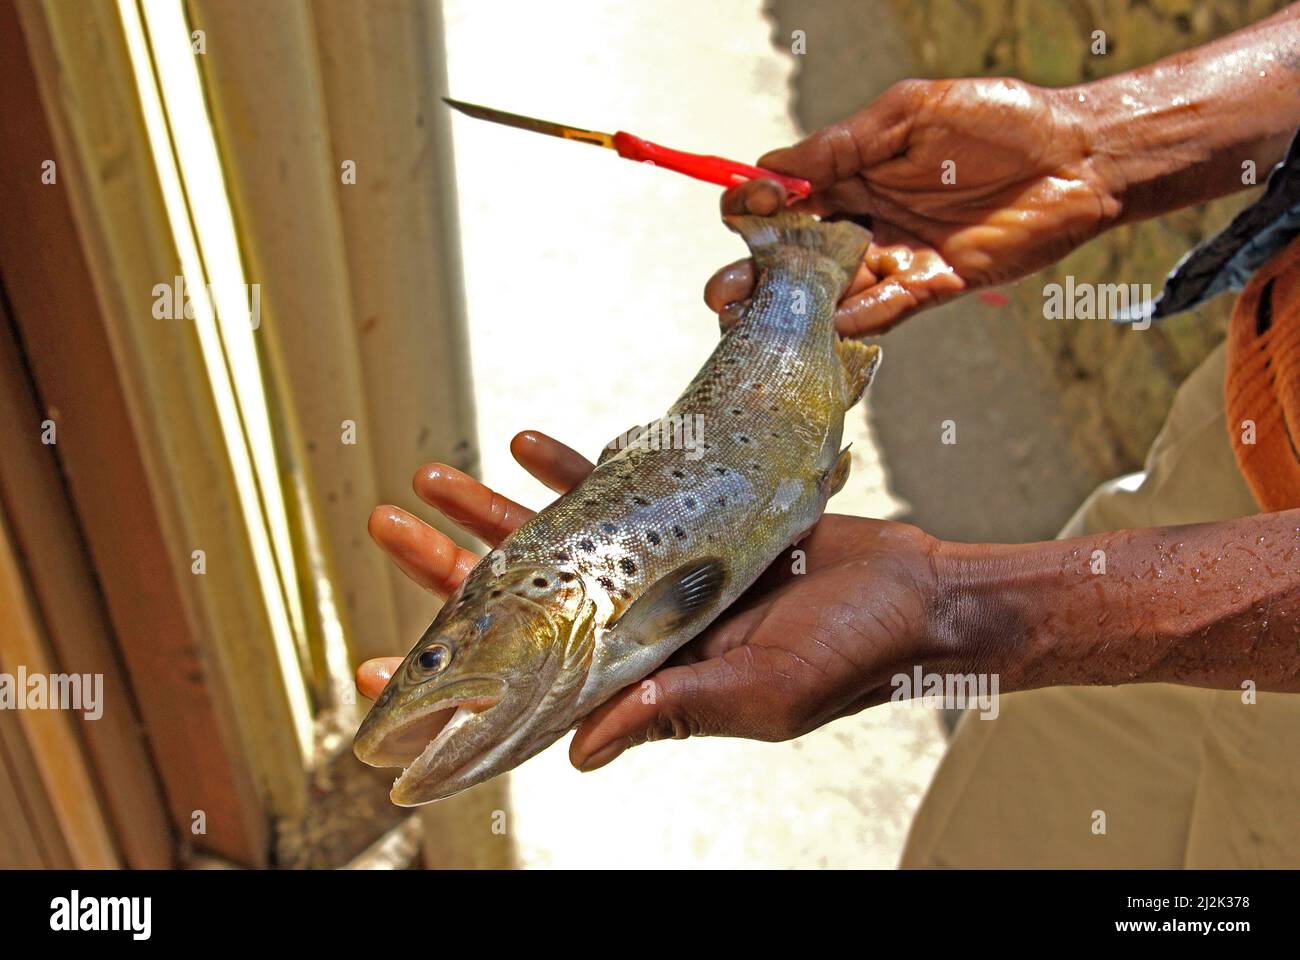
[675, 522]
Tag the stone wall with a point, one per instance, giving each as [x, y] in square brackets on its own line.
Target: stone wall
[1116, 384]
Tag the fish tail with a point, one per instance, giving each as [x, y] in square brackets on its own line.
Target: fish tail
[842, 242]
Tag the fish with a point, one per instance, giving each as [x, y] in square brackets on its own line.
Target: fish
[679, 517]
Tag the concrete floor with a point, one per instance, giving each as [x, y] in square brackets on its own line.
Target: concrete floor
[584, 276]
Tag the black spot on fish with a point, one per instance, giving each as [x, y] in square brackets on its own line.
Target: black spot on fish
[496, 593]
[743, 439]
[607, 583]
[563, 556]
[567, 576]
[608, 527]
[653, 537]
[720, 471]
[539, 581]
[690, 503]
[678, 532]
[587, 545]
[722, 501]
[679, 475]
[756, 385]
[627, 566]
[641, 501]
[735, 411]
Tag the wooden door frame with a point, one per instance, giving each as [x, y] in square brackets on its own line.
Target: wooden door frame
[60, 323]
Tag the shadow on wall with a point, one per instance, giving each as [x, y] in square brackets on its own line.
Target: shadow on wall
[1012, 474]
[1043, 410]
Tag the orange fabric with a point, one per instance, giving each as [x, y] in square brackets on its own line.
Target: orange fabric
[1263, 381]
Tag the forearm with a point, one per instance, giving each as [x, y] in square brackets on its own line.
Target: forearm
[1211, 605]
[1178, 132]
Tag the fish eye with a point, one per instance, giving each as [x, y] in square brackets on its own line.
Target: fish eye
[435, 659]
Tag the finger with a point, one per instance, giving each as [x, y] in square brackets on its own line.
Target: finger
[558, 466]
[373, 675]
[431, 559]
[728, 291]
[758, 197]
[739, 694]
[469, 504]
[881, 307]
[864, 279]
[732, 284]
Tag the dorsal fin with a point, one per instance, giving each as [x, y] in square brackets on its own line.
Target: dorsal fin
[860, 364]
[621, 442]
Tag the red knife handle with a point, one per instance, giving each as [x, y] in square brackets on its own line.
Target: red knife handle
[726, 173]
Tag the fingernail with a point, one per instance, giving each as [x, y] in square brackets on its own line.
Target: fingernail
[603, 756]
[764, 201]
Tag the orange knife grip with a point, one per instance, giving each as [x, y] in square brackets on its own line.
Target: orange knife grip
[719, 170]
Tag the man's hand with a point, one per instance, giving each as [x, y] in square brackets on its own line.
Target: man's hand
[973, 183]
[965, 184]
[798, 650]
[1213, 605]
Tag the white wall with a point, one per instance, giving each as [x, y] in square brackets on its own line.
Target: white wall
[584, 276]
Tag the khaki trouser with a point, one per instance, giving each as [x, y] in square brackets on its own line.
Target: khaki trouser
[1184, 777]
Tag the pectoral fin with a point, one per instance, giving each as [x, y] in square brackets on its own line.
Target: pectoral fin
[860, 364]
[838, 474]
[688, 592]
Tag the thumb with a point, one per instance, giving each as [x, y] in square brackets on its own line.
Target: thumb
[746, 692]
[373, 675]
[843, 149]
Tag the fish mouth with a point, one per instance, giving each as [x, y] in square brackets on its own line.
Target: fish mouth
[423, 736]
[440, 769]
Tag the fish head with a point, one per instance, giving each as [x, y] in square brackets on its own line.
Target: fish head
[484, 684]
